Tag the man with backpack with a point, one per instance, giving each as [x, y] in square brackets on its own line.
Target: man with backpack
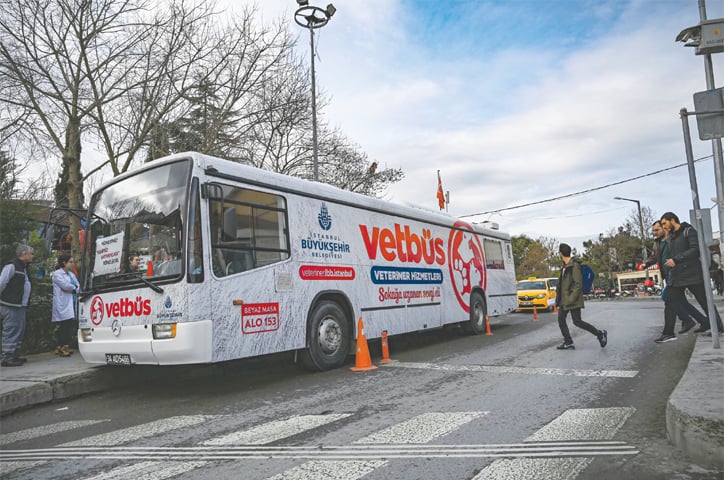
[685, 272]
[569, 298]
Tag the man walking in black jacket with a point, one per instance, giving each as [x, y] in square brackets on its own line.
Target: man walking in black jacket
[685, 272]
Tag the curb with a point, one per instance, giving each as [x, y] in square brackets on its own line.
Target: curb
[695, 425]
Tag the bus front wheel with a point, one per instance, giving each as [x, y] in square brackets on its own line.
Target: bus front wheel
[329, 337]
[478, 312]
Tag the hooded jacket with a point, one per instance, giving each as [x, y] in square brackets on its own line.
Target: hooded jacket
[570, 286]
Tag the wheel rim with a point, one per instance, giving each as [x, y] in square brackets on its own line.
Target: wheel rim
[478, 314]
[329, 335]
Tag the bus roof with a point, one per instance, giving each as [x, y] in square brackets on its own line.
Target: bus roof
[220, 168]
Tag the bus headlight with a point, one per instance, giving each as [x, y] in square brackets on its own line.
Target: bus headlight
[86, 334]
[162, 331]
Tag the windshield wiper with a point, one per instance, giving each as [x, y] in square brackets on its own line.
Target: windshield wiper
[153, 286]
[138, 276]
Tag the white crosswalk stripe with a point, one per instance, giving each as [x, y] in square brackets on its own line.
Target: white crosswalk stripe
[273, 431]
[117, 437]
[578, 424]
[559, 450]
[506, 370]
[259, 435]
[31, 433]
[421, 429]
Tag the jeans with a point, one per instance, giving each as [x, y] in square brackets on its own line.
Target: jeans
[13, 319]
[577, 321]
[686, 310]
[676, 297]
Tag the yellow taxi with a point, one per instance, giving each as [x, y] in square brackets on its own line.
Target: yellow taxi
[536, 293]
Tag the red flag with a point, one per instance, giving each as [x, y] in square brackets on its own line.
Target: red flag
[440, 193]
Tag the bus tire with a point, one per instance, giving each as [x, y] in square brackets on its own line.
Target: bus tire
[328, 337]
[478, 312]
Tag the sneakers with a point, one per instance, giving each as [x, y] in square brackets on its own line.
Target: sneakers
[603, 337]
[13, 362]
[566, 346]
[686, 326]
[665, 338]
[704, 327]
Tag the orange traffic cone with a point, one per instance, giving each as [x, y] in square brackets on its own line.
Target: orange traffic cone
[385, 349]
[487, 325]
[555, 308]
[535, 314]
[362, 359]
[149, 269]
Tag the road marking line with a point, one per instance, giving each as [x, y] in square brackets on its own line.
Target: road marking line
[276, 430]
[584, 424]
[351, 452]
[329, 470]
[44, 430]
[148, 471]
[422, 429]
[265, 433]
[515, 370]
[144, 430]
[118, 437]
[576, 424]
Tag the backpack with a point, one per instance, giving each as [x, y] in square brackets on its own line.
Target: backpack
[588, 277]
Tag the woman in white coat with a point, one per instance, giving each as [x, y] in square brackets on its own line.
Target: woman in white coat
[65, 288]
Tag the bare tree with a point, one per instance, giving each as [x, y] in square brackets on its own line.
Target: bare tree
[54, 55]
[199, 65]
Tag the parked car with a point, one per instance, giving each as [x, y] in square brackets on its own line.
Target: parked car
[553, 282]
[536, 293]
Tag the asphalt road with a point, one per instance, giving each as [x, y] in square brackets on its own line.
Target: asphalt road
[506, 406]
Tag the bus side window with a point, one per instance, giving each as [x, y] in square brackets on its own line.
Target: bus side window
[248, 230]
[493, 254]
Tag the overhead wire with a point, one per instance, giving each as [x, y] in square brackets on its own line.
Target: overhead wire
[583, 192]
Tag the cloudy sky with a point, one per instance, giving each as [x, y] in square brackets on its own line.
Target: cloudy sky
[519, 101]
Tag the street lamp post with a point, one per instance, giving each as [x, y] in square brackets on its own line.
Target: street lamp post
[311, 17]
[641, 226]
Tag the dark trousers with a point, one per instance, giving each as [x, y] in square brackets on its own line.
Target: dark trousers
[676, 297]
[65, 332]
[577, 321]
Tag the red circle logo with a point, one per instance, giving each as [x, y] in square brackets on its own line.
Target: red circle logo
[96, 311]
[466, 261]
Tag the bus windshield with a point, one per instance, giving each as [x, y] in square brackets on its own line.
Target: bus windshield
[136, 228]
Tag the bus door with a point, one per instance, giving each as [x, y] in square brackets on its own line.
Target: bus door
[250, 283]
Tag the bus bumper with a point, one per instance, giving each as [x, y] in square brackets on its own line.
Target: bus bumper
[192, 344]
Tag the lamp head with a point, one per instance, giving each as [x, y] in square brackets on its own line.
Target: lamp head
[302, 3]
[330, 10]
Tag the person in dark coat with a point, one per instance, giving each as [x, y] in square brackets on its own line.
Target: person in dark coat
[659, 256]
[685, 273]
[569, 298]
[14, 298]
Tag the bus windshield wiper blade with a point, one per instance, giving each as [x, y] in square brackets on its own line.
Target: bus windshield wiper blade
[137, 276]
[153, 286]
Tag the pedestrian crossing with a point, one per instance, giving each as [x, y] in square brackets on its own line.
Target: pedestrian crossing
[565, 447]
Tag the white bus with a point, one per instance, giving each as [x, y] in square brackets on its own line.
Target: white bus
[239, 262]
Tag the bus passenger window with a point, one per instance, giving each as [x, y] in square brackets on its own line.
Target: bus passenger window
[493, 254]
[248, 229]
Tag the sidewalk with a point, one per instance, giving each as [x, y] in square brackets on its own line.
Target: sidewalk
[694, 412]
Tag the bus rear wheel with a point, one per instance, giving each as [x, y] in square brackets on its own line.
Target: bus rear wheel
[329, 337]
[478, 312]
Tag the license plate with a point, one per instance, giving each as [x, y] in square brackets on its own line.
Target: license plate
[526, 304]
[118, 359]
